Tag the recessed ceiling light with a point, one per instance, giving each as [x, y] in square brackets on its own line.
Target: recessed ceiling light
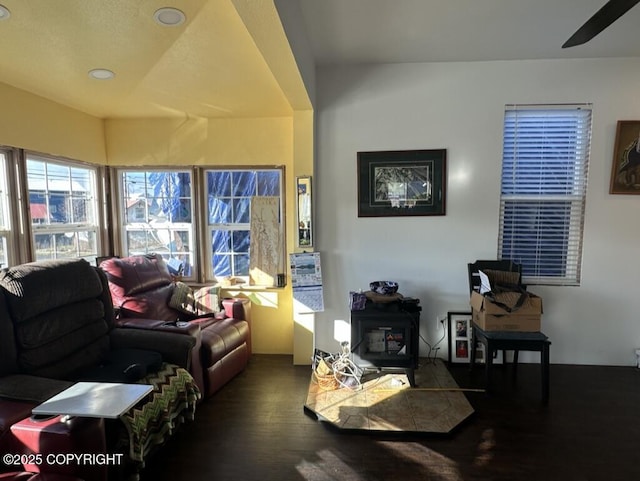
[169, 17]
[4, 12]
[101, 74]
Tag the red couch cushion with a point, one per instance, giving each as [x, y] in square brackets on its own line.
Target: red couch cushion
[222, 337]
[141, 286]
[132, 275]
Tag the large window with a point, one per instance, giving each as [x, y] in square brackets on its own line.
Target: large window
[63, 209]
[157, 214]
[229, 195]
[544, 181]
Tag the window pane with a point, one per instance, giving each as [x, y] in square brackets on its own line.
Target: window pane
[241, 265]
[150, 240]
[241, 241]
[45, 246]
[229, 194]
[219, 183]
[244, 183]
[80, 210]
[135, 211]
[241, 210]
[4, 252]
[182, 210]
[221, 265]
[158, 216]
[171, 194]
[537, 236]
[58, 212]
[3, 207]
[219, 210]
[38, 208]
[62, 208]
[66, 245]
[137, 242]
[5, 212]
[180, 242]
[134, 184]
[221, 241]
[268, 183]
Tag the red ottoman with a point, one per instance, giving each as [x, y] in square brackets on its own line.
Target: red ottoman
[53, 437]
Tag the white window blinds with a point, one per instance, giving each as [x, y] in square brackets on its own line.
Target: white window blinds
[544, 181]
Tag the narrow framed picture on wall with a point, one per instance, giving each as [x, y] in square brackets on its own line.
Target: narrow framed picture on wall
[625, 168]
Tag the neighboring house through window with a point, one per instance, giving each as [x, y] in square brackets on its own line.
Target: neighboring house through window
[227, 223]
[157, 214]
[63, 208]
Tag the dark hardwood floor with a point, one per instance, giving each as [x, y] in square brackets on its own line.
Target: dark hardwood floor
[255, 428]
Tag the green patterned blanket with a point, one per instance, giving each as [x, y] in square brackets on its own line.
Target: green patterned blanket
[153, 420]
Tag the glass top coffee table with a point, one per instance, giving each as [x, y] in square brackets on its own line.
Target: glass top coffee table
[94, 400]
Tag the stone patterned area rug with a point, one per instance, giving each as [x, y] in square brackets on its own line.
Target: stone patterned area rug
[386, 402]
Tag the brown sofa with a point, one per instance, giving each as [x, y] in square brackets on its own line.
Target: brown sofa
[142, 289]
[57, 327]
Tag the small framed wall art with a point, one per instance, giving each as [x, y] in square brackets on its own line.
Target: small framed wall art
[402, 183]
[304, 211]
[625, 168]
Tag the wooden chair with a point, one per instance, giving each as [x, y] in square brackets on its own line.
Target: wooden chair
[474, 284]
[494, 341]
[496, 265]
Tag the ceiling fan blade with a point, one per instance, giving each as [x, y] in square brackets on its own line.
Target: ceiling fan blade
[609, 13]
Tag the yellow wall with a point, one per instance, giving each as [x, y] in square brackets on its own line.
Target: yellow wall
[33, 123]
[229, 142]
[261, 141]
[271, 322]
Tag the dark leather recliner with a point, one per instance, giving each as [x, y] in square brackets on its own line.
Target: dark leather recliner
[142, 287]
[57, 324]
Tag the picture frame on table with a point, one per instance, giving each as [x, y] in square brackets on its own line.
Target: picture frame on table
[459, 331]
[402, 183]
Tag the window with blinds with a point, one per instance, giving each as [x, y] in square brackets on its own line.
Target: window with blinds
[544, 181]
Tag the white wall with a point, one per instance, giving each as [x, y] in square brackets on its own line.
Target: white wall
[459, 107]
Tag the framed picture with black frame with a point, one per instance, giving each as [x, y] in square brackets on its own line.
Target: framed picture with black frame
[402, 183]
[459, 330]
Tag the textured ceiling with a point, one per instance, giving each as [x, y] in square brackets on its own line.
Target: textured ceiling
[231, 59]
[208, 67]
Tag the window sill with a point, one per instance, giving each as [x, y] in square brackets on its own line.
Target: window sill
[249, 287]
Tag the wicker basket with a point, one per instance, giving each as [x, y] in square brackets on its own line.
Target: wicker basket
[325, 377]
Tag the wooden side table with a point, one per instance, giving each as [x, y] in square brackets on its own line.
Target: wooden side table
[494, 341]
